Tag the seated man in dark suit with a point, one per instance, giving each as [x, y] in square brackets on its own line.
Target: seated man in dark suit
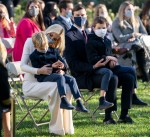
[65, 7]
[76, 57]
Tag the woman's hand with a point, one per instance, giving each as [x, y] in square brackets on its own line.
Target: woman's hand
[101, 63]
[45, 70]
[136, 34]
[111, 58]
[131, 39]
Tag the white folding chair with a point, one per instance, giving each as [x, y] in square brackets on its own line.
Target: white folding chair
[9, 44]
[14, 71]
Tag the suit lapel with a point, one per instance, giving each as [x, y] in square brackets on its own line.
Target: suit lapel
[64, 23]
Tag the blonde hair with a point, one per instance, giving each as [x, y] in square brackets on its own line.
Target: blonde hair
[3, 53]
[102, 6]
[60, 31]
[134, 20]
[4, 9]
[40, 40]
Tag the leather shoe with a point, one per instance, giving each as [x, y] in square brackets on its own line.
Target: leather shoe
[138, 101]
[80, 107]
[105, 104]
[110, 121]
[65, 104]
[127, 120]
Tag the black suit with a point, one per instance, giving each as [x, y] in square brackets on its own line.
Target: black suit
[75, 54]
[62, 22]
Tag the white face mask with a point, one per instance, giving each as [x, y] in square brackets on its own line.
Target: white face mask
[129, 13]
[105, 14]
[101, 32]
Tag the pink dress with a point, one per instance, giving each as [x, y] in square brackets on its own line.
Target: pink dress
[25, 29]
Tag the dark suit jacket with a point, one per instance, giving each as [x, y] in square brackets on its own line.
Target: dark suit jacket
[75, 54]
[62, 22]
[39, 59]
[98, 48]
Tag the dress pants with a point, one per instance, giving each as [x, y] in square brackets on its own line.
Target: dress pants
[61, 81]
[128, 81]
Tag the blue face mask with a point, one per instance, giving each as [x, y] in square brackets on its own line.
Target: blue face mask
[50, 41]
[69, 14]
[80, 21]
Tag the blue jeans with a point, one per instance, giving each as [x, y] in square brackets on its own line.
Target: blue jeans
[62, 80]
[106, 75]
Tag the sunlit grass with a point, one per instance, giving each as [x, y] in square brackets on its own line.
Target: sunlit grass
[85, 126]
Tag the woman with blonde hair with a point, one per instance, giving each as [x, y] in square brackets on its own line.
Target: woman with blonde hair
[61, 119]
[101, 10]
[7, 27]
[127, 28]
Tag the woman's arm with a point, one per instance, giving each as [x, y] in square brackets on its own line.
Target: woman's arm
[28, 49]
[119, 36]
[25, 57]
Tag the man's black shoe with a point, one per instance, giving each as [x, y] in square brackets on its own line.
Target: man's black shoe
[109, 121]
[127, 120]
[137, 101]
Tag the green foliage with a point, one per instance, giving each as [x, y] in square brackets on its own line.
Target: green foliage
[19, 11]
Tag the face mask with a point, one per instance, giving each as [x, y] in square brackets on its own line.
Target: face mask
[33, 12]
[2, 15]
[103, 14]
[69, 14]
[50, 41]
[101, 32]
[128, 13]
[80, 21]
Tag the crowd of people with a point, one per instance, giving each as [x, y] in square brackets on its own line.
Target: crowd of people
[48, 43]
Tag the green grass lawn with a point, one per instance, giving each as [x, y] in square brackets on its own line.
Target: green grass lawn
[85, 126]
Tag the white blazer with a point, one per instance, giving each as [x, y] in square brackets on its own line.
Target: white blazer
[61, 120]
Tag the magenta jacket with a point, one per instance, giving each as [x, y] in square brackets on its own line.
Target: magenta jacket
[25, 29]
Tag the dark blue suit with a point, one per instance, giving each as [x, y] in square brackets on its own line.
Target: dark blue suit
[62, 22]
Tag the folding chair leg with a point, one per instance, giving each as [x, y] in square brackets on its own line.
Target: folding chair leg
[29, 113]
[43, 116]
